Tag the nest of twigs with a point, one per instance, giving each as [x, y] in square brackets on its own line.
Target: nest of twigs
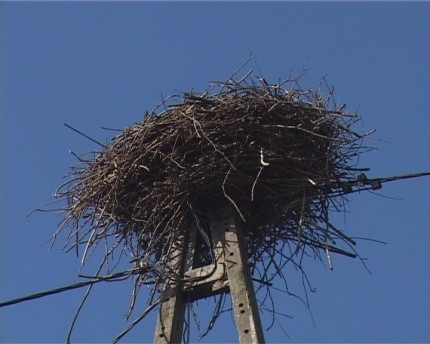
[281, 157]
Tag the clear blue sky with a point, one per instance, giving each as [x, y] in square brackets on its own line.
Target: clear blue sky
[104, 64]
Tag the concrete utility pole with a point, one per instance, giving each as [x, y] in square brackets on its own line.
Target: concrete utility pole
[170, 319]
[229, 273]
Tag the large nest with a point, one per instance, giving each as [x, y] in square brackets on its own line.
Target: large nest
[279, 156]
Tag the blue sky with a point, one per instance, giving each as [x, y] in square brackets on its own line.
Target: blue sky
[105, 64]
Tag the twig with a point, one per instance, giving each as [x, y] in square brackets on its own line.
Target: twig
[84, 135]
[230, 199]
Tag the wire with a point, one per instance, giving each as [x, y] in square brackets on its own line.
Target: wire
[68, 287]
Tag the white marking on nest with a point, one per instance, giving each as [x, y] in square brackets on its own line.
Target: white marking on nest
[263, 163]
[312, 182]
[329, 259]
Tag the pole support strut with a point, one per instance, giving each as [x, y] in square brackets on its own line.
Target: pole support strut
[242, 292]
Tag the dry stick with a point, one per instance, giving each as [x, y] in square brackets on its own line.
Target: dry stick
[87, 293]
[255, 182]
[215, 147]
[250, 57]
[215, 314]
[299, 228]
[84, 135]
[230, 199]
[136, 321]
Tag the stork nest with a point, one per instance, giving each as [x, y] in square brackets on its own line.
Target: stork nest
[279, 156]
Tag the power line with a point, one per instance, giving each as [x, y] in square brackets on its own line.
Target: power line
[70, 287]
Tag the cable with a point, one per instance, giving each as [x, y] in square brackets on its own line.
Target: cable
[69, 287]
